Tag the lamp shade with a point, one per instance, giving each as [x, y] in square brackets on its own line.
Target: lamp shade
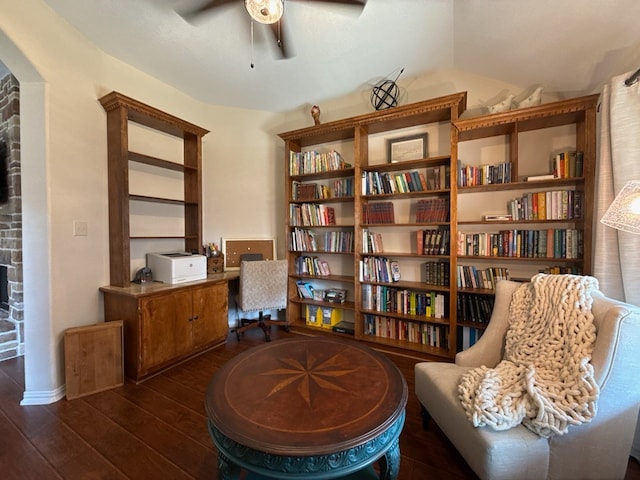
[265, 11]
[624, 212]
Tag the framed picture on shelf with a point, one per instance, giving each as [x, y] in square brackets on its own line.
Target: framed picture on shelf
[413, 147]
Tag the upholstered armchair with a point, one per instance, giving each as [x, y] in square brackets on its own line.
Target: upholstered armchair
[595, 450]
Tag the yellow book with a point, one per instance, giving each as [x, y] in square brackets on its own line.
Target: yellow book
[542, 206]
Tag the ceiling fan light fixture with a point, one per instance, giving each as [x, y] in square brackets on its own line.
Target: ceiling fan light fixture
[265, 11]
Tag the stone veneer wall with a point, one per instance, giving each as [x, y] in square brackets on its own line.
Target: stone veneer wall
[11, 322]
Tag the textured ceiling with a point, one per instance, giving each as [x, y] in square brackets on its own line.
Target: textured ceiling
[567, 46]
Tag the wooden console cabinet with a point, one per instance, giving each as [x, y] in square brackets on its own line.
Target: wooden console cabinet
[164, 324]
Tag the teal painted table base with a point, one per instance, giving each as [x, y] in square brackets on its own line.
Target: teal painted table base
[352, 464]
[367, 473]
[307, 408]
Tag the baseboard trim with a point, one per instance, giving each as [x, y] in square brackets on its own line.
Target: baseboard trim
[43, 397]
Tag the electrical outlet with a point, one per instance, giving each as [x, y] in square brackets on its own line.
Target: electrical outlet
[80, 229]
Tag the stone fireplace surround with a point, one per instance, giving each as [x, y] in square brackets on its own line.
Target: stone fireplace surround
[11, 320]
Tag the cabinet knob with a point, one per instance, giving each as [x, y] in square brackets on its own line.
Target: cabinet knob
[195, 317]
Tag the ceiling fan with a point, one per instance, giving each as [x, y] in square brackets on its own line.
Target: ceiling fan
[267, 12]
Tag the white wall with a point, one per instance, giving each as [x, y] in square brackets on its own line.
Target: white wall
[65, 171]
[65, 175]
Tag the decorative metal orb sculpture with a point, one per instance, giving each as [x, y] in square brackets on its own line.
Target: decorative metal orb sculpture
[385, 95]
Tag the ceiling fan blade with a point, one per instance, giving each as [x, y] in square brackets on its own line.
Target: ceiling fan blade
[190, 13]
[279, 34]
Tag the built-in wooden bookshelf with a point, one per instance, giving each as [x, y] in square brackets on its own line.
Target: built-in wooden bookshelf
[409, 217]
[163, 323]
[121, 111]
[365, 213]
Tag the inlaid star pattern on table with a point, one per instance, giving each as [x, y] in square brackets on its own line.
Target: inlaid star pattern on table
[301, 374]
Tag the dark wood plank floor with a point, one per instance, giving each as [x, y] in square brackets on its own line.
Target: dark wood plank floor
[157, 430]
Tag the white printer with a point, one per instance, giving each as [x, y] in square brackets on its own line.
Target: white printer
[177, 267]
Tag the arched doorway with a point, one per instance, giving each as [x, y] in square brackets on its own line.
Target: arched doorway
[11, 288]
[40, 381]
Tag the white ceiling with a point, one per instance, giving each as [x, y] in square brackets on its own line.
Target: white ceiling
[570, 47]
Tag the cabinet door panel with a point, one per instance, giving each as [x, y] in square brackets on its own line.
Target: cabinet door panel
[165, 332]
[210, 308]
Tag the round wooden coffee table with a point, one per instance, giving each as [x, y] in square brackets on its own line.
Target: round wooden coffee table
[307, 408]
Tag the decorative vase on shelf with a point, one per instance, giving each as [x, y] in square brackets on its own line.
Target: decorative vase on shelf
[501, 106]
[532, 100]
[315, 113]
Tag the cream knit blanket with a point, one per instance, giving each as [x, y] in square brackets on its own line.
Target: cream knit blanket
[545, 379]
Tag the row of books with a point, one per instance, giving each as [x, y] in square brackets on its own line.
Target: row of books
[438, 178]
[310, 214]
[436, 273]
[474, 308]
[379, 183]
[372, 242]
[305, 289]
[561, 269]
[550, 243]
[433, 241]
[338, 241]
[314, 266]
[304, 191]
[302, 163]
[415, 332]
[468, 336]
[568, 164]
[548, 205]
[309, 191]
[378, 212]
[343, 187]
[382, 298]
[469, 175]
[432, 210]
[303, 240]
[469, 276]
[378, 269]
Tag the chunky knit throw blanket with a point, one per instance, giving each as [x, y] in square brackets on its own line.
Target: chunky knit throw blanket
[545, 380]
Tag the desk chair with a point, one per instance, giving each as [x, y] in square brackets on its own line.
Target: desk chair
[263, 286]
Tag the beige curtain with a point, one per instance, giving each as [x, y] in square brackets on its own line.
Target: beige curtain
[616, 253]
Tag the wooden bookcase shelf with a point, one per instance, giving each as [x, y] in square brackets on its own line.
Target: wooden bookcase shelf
[158, 162]
[352, 138]
[121, 110]
[163, 324]
[356, 138]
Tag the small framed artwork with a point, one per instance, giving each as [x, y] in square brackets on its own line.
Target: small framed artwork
[413, 147]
